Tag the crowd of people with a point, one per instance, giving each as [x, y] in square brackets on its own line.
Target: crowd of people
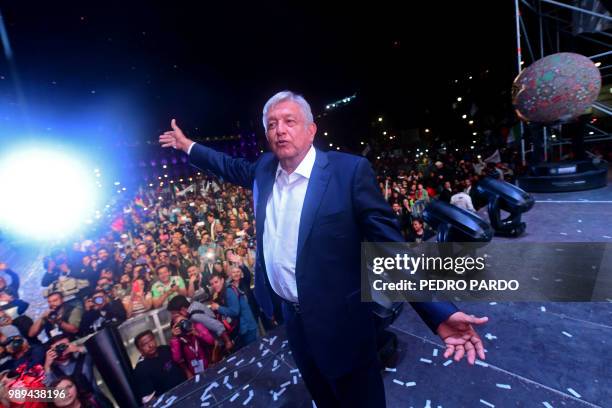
[191, 254]
[410, 183]
[191, 251]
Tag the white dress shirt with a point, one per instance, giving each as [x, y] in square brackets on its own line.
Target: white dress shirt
[462, 200]
[282, 226]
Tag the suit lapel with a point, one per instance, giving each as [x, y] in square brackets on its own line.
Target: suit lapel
[319, 178]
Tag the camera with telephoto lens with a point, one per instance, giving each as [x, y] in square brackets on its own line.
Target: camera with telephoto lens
[186, 326]
[53, 316]
[16, 343]
[60, 349]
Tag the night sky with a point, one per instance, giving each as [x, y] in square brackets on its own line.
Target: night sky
[119, 71]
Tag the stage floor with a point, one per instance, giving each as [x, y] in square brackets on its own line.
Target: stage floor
[538, 353]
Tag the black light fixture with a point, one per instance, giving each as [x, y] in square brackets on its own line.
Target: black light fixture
[504, 196]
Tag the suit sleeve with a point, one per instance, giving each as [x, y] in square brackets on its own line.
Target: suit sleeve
[236, 171]
[378, 224]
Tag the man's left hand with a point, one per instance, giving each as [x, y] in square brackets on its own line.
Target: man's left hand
[460, 337]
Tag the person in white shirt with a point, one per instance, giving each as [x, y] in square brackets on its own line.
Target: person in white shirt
[462, 200]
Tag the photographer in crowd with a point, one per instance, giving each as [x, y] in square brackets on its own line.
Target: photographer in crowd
[199, 313]
[191, 345]
[101, 311]
[232, 309]
[60, 318]
[21, 354]
[64, 358]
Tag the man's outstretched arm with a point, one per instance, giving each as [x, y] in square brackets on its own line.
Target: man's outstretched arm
[236, 171]
[379, 225]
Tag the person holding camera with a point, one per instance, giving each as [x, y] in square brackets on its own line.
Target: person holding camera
[166, 287]
[101, 311]
[191, 345]
[60, 318]
[199, 313]
[64, 358]
[232, 309]
[20, 352]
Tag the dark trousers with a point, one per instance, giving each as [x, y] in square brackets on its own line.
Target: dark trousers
[362, 387]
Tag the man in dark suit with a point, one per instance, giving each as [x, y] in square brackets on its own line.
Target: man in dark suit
[312, 210]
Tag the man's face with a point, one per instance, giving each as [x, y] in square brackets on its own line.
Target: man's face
[396, 207]
[468, 182]
[15, 345]
[147, 346]
[287, 131]
[184, 249]
[103, 254]
[236, 274]
[106, 273]
[447, 185]
[164, 275]
[142, 249]
[416, 225]
[217, 284]
[163, 258]
[192, 271]
[55, 301]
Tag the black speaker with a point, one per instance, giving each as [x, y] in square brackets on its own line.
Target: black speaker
[113, 363]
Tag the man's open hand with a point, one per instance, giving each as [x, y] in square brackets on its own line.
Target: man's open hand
[460, 337]
[175, 138]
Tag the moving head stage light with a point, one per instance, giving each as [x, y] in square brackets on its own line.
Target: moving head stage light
[505, 196]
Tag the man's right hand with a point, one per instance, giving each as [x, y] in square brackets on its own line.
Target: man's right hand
[50, 358]
[175, 138]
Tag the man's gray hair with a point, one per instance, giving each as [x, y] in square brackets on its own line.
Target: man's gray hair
[287, 96]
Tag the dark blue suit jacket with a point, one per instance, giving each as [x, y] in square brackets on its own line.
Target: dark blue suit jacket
[343, 207]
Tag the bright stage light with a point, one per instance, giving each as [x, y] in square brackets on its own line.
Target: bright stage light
[46, 194]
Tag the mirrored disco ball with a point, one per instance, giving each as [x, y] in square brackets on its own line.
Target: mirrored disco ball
[556, 88]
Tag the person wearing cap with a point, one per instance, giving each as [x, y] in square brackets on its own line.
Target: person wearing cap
[19, 349]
